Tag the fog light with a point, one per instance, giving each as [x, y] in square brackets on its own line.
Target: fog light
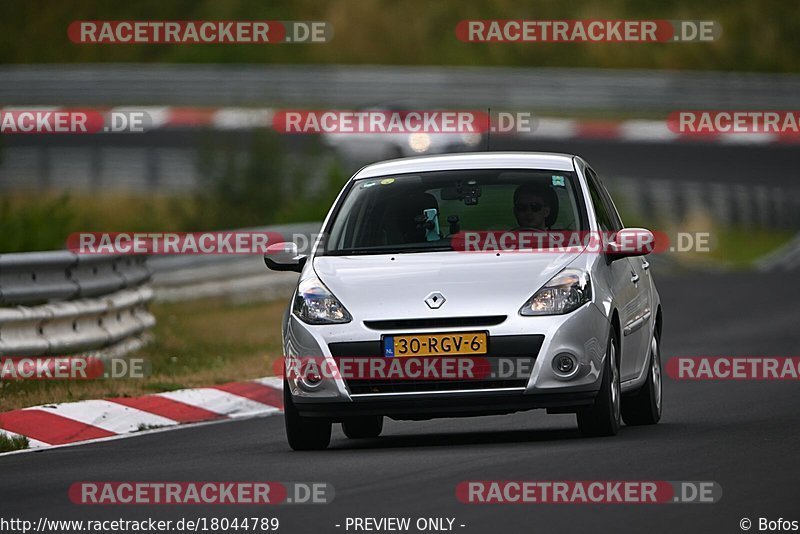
[565, 364]
[310, 380]
[313, 378]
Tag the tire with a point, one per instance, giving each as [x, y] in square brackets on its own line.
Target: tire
[304, 433]
[603, 417]
[369, 426]
[644, 407]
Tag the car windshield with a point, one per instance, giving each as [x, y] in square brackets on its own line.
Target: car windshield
[422, 212]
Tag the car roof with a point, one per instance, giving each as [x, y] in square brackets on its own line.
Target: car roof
[472, 160]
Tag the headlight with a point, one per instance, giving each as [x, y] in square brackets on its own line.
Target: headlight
[471, 139]
[567, 291]
[314, 304]
[419, 142]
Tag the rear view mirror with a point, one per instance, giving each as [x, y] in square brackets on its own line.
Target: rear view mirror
[284, 257]
[466, 191]
[631, 242]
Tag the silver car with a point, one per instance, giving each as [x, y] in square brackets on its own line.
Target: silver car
[434, 272]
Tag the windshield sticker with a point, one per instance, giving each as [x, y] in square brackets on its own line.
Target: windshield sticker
[387, 181]
[559, 181]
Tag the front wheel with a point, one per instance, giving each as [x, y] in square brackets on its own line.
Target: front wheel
[303, 433]
[644, 406]
[603, 417]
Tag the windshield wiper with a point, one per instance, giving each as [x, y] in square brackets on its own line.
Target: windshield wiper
[387, 250]
[438, 248]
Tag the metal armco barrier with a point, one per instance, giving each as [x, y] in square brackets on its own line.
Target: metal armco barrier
[665, 203]
[233, 277]
[59, 303]
[40, 277]
[74, 326]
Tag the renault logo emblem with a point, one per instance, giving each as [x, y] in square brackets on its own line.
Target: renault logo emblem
[435, 300]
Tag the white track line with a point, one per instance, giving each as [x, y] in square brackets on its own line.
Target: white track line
[107, 415]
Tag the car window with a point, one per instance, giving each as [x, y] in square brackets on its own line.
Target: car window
[600, 207]
[611, 209]
[422, 212]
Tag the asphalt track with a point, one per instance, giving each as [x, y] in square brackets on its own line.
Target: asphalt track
[743, 435]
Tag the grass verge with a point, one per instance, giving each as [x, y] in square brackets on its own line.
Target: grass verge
[739, 248]
[42, 220]
[13, 443]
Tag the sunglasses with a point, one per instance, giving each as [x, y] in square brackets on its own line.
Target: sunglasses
[535, 207]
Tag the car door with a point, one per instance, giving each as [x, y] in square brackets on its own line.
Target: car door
[636, 326]
[643, 325]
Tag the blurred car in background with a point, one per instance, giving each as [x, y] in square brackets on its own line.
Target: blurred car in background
[370, 147]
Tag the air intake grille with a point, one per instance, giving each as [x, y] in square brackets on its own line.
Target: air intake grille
[435, 322]
[519, 352]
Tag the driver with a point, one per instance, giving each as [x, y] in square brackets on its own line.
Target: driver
[531, 206]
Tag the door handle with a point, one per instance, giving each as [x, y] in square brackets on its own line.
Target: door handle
[645, 264]
[634, 278]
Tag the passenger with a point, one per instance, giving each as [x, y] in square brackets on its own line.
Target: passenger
[532, 207]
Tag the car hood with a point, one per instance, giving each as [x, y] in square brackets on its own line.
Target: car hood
[395, 286]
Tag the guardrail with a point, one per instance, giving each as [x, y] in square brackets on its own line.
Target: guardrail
[236, 278]
[667, 203]
[39, 277]
[353, 85]
[59, 303]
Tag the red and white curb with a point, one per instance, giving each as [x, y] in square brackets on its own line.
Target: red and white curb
[241, 118]
[92, 420]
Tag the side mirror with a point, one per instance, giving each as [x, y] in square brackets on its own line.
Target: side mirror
[631, 242]
[284, 257]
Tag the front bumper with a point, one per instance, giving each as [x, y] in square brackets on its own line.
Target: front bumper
[427, 406]
[582, 333]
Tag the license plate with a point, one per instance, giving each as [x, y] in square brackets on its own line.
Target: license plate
[458, 343]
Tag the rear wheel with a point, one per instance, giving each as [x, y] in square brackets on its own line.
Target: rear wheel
[369, 426]
[603, 417]
[304, 433]
[644, 406]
